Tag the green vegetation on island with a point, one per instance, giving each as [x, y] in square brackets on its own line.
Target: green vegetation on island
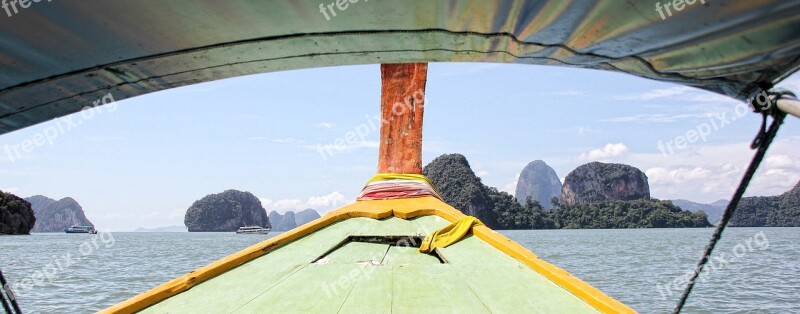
[769, 211]
[16, 215]
[226, 211]
[462, 189]
[641, 213]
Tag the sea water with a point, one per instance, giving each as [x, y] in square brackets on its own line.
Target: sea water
[752, 269]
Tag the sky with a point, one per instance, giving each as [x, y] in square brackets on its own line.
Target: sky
[308, 138]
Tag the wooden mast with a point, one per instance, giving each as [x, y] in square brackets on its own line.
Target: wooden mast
[402, 107]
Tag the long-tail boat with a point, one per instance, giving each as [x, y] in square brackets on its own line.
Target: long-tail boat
[367, 257]
[399, 247]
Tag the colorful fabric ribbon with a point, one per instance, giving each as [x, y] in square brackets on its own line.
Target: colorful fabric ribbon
[394, 185]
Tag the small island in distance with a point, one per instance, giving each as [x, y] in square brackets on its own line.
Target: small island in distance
[594, 196]
[231, 209]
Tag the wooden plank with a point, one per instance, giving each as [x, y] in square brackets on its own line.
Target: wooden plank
[428, 224]
[399, 255]
[314, 289]
[505, 285]
[357, 252]
[238, 286]
[372, 292]
[432, 289]
[389, 226]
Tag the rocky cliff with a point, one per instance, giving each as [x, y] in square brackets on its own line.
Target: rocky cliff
[540, 182]
[39, 201]
[769, 211]
[282, 222]
[461, 188]
[713, 210]
[16, 215]
[226, 211]
[599, 182]
[622, 193]
[291, 220]
[55, 216]
[305, 216]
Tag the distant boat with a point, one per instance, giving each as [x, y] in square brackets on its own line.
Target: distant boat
[81, 229]
[252, 230]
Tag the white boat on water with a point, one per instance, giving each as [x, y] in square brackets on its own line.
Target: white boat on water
[81, 229]
[252, 230]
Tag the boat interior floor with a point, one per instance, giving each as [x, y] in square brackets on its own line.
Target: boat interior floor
[361, 265]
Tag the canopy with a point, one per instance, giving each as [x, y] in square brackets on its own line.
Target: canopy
[61, 56]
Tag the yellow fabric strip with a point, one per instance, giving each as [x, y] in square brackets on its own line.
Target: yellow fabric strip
[448, 235]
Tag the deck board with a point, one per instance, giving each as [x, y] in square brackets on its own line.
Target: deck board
[357, 252]
[477, 278]
[399, 255]
[269, 269]
[389, 226]
[428, 224]
[372, 293]
[432, 289]
[500, 283]
[313, 289]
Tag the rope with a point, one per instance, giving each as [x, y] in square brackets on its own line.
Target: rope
[5, 303]
[5, 290]
[761, 143]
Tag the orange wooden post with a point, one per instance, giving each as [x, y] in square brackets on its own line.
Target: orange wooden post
[402, 107]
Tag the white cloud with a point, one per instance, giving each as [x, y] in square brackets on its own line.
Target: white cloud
[678, 103]
[779, 162]
[674, 176]
[288, 140]
[324, 125]
[322, 204]
[265, 202]
[608, 152]
[327, 201]
[287, 205]
[656, 93]
[711, 172]
[10, 190]
[511, 187]
[681, 93]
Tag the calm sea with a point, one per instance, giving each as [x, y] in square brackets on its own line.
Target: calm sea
[754, 269]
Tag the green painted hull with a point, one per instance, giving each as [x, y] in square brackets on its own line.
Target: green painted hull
[321, 272]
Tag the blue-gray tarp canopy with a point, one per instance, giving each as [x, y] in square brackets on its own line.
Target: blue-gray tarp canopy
[58, 57]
